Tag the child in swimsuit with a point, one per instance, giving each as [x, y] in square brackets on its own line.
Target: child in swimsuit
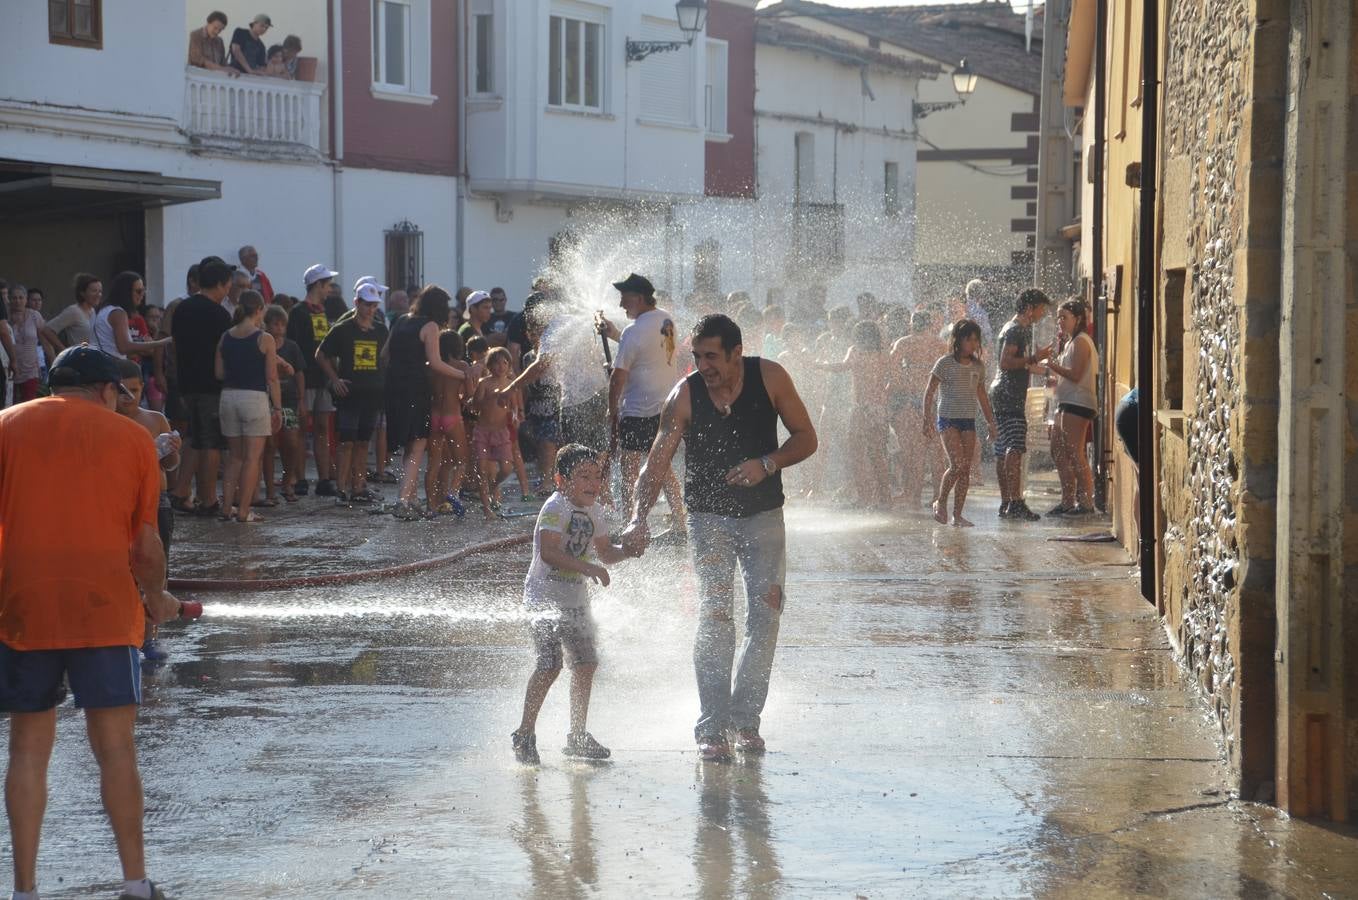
[447, 436]
[490, 435]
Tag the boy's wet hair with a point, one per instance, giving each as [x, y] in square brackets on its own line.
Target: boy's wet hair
[867, 336]
[476, 344]
[128, 369]
[569, 457]
[499, 353]
[451, 345]
[1032, 297]
[274, 313]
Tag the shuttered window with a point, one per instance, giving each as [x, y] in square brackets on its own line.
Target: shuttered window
[714, 95]
[667, 78]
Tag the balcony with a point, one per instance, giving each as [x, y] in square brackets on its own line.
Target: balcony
[253, 115]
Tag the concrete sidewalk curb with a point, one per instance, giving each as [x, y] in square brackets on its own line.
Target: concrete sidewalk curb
[335, 578]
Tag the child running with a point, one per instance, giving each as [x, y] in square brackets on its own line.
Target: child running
[961, 374]
[490, 436]
[556, 595]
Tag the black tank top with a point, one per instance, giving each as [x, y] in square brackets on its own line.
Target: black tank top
[714, 444]
[406, 362]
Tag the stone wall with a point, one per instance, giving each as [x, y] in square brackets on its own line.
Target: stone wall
[1221, 150]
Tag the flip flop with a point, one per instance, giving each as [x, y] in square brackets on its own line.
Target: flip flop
[290, 497]
[180, 505]
[250, 519]
[266, 503]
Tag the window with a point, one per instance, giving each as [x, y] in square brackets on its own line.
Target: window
[667, 79]
[891, 189]
[483, 53]
[707, 267]
[575, 64]
[76, 23]
[804, 167]
[714, 101]
[401, 51]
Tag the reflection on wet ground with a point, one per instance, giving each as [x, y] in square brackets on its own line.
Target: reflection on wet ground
[979, 713]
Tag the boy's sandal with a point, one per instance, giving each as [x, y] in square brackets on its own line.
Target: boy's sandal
[226, 515]
[266, 503]
[290, 496]
[250, 518]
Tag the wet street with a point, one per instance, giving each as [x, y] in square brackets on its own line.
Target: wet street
[954, 713]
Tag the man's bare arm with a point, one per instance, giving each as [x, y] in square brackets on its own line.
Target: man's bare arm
[617, 383]
[802, 440]
[148, 568]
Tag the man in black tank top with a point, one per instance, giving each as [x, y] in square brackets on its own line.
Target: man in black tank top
[727, 414]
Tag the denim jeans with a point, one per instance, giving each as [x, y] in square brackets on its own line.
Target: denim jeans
[718, 542]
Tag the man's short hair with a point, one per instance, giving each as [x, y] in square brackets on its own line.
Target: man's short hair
[217, 16]
[1032, 297]
[128, 369]
[274, 313]
[569, 458]
[213, 271]
[717, 325]
[292, 42]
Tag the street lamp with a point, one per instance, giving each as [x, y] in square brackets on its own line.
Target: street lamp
[963, 82]
[692, 16]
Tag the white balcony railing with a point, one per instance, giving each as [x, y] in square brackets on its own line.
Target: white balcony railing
[252, 108]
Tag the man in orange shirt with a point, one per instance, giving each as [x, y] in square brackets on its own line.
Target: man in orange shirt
[77, 481]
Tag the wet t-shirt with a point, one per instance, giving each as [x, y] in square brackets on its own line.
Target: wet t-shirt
[547, 587]
[356, 354]
[957, 384]
[1009, 391]
[308, 327]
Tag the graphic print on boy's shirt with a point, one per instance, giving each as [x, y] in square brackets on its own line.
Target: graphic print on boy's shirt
[365, 356]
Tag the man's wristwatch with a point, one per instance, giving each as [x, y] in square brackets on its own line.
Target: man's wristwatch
[769, 465]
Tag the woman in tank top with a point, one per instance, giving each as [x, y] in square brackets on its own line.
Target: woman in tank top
[251, 405]
[112, 320]
[411, 355]
[1075, 369]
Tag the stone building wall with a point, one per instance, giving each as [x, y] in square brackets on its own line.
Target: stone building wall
[1221, 152]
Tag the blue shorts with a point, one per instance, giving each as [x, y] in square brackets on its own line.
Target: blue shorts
[959, 424]
[545, 428]
[100, 677]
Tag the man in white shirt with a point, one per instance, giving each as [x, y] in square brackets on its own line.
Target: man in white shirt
[645, 371]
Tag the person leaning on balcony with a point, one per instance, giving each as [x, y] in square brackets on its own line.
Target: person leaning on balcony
[277, 66]
[248, 53]
[292, 48]
[206, 50]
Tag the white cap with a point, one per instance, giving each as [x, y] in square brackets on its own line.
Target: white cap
[317, 273]
[368, 293]
[476, 297]
[369, 279]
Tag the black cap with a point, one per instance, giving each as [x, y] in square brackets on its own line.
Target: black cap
[84, 365]
[635, 284]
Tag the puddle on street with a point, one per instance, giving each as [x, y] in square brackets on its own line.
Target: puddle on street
[986, 714]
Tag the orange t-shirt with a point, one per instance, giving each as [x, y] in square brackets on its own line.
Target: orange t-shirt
[77, 481]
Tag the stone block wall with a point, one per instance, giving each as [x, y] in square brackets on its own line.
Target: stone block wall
[1223, 84]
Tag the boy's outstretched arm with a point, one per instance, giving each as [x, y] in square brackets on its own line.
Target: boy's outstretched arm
[610, 553]
[555, 556]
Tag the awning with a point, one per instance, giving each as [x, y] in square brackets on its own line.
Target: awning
[33, 192]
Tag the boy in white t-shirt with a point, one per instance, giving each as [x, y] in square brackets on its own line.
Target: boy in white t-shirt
[556, 594]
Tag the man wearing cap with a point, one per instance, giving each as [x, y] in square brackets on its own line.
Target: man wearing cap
[78, 625]
[248, 53]
[308, 324]
[645, 370]
[497, 331]
[479, 311]
[198, 325]
[350, 358]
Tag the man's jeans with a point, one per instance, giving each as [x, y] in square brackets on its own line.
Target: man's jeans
[758, 544]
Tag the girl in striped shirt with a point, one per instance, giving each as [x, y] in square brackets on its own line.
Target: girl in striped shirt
[961, 376]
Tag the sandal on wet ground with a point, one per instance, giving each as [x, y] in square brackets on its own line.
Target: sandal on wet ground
[250, 519]
[266, 503]
[182, 505]
[208, 511]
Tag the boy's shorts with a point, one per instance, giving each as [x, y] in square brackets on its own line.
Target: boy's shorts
[545, 428]
[563, 634]
[492, 444]
[100, 677]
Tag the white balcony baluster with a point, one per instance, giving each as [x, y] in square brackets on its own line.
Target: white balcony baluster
[252, 109]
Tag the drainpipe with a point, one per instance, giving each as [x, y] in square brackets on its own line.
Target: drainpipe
[337, 127]
[1097, 228]
[1145, 295]
[460, 204]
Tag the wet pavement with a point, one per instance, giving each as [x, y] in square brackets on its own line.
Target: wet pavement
[954, 712]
